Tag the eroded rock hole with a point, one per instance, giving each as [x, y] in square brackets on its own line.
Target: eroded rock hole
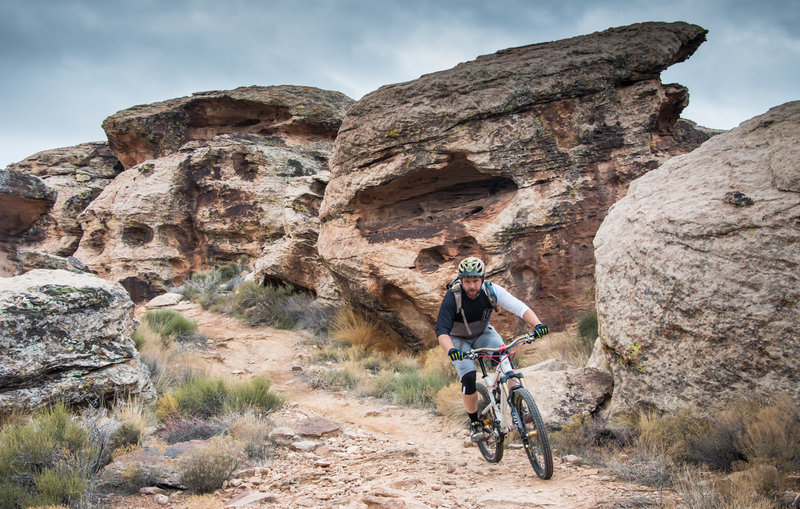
[430, 259]
[137, 235]
[425, 203]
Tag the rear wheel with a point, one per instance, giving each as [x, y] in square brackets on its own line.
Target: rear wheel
[492, 447]
[533, 434]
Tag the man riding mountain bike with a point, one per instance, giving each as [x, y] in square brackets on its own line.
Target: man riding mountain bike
[463, 324]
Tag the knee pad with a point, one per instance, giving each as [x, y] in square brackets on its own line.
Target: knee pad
[468, 383]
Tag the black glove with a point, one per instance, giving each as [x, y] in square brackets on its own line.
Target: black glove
[540, 330]
[455, 354]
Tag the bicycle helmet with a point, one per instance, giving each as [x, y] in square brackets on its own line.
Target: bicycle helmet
[470, 266]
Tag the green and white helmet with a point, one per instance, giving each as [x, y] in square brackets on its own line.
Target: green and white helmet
[470, 266]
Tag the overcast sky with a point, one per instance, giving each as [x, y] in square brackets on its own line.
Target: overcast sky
[65, 65]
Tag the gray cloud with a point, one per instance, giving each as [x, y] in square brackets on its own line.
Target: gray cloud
[68, 64]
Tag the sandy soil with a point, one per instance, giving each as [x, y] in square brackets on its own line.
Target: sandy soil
[385, 456]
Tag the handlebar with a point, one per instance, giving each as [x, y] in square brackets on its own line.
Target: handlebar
[526, 338]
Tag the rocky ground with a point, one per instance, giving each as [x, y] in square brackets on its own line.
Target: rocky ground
[354, 452]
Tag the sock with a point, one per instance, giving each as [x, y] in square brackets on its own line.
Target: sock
[473, 417]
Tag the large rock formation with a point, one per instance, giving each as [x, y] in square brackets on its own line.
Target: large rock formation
[202, 207]
[78, 174]
[235, 173]
[698, 272]
[66, 336]
[295, 114]
[23, 198]
[514, 157]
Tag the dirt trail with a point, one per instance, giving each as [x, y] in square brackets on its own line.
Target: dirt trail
[385, 456]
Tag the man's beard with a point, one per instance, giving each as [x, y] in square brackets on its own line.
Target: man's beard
[473, 295]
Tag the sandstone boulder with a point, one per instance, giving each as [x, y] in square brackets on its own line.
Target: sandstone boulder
[206, 205]
[66, 336]
[78, 174]
[514, 157]
[23, 199]
[294, 114]
[563, 393]
[698, 272]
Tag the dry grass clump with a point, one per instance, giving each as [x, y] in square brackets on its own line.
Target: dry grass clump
[204, 469]
[567, 346]
[737, 456]
[171, 363]
[364, 332]
[252, 431]
[759, 487]
[449, 402]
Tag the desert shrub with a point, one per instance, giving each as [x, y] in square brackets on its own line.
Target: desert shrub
[138, 340]
[45, 460]
[209, 289]
[252, 432]
[364, 331]
[335, 379]
[204, 469]
[760, 487]
[587, 326]
[168, 323]
[773, 434]
[201, 396]
[277, 306]
[253, 394]
[645, 467]
[317, 317]
[405, 386]
[206, 397]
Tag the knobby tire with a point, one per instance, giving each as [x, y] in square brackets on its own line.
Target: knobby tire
[533, 434]
[492, 448]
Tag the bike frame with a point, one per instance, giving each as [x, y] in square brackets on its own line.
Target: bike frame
[503, 407]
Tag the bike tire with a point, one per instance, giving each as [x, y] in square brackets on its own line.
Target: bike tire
[491, 448]
[533, 434]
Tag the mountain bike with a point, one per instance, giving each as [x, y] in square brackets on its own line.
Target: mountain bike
[504, 407]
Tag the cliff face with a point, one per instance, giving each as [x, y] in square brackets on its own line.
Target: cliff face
[514, 157]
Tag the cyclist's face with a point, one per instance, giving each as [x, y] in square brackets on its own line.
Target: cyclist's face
[471, 285]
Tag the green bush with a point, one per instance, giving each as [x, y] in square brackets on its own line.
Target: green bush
[202, 396]
[253, 395]
[204, 469]
[46, 460]
[587, 326]
[406, 387]
[206, 397]
[169, 323]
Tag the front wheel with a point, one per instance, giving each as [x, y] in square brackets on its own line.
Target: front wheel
[492, 447]
[533, 434]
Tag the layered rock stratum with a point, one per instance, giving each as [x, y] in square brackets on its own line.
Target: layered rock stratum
[698, 272]
[514, 157]
[66, 336]
[295, 114]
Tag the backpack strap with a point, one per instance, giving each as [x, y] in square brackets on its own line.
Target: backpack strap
[491, 294]
[455, 287]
